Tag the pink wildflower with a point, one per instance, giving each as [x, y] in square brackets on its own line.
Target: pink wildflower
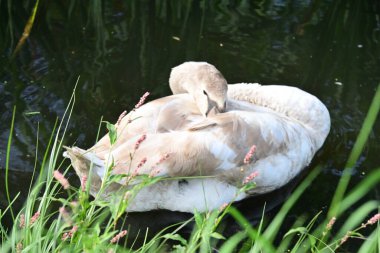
[83, 182]
[155, 171]
[135, 172]
[22, 221]
[250, 177]
[62, 211]
[74, 204]
[34, 218]
[163, 158]
[345, 238]
[61, 179]
[139, 141]
[65, 214]
[117, 237]
[248, 156]
[371, 221]
[122, 115]
[141, 163]
[331, 223]
[69, 234]
[142, 100]
[374, 219]
[19, 247]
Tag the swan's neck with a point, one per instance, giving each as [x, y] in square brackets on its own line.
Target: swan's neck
[289, 101]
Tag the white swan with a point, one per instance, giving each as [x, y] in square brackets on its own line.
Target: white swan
[286, 124]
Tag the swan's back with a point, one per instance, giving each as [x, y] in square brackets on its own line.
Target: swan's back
[289, 101]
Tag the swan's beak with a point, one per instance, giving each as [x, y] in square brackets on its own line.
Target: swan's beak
[221, 109]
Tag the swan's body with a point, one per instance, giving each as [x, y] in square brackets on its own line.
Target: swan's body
[286, 124]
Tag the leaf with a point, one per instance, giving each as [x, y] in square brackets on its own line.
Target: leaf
[198, 219]
[175, 237]
[112, 132]
[357, 234]
[179, 248]
[356, 217]
[301, 230]
[100, 203]
[231, 244]
[371, 244]
[31, 113]
[248, 186]
[312, 240]
[27, 29]
[216, 235]
[116, 178]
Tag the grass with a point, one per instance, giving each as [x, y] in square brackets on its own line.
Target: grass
[73, 222]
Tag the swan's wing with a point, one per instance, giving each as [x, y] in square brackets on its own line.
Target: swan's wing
[160, 115]
[178, 114]
[201, 125]
[283, 148]
[289, 101]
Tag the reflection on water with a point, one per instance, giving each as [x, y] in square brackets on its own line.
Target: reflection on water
[122, 49]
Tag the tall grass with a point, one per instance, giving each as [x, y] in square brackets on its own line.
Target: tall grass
[74, 222]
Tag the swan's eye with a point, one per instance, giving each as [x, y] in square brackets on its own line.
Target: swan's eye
[204, 92]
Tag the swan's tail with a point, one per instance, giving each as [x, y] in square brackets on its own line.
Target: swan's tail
[82, 160]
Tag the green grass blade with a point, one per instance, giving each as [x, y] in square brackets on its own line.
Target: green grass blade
[285, 242]
[256, 246]
[275, 225]
[27, 29]
[7, 162]
[231, 244]
[355, 153]
[357, 217]
[360, 190]
[372, 243]
[252, 233]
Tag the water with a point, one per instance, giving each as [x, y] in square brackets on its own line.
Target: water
[122, 49]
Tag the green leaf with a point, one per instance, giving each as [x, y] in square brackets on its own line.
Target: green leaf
[248, 186]
[356, 151]
[175, 237]
[179, 248]
[372, 244]
[251, 231]
[357, 234]
[116, 178]
[31, 113]
[216, 235]
[276, 223]
[232, 243]
[301, 230]
[198, 219]
[112, 132]
[356, 217]
[312, 240]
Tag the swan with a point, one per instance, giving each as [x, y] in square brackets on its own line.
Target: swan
[286, 124]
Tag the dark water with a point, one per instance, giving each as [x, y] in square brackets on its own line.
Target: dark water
[120, 49]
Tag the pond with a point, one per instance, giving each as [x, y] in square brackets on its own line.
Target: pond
[120, 49]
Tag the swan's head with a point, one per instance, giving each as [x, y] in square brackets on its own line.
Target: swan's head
[211, 95]
[204, 83]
